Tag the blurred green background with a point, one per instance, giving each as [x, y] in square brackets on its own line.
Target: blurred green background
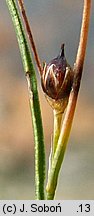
[53, 23]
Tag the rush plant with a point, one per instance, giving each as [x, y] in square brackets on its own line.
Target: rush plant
[60, 84]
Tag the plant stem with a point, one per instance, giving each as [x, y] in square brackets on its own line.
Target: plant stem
[68, 119]
[33, 99]
[30, 35]
[57, 128]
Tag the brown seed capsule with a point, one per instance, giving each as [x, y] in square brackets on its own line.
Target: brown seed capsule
[56, 81]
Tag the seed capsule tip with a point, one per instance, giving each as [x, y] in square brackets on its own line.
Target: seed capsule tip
[62, 50]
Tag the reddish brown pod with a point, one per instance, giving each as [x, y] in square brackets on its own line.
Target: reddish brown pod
[57, 81]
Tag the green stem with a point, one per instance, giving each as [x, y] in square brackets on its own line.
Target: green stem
[61, 147]
[57, 128]
[34, 101]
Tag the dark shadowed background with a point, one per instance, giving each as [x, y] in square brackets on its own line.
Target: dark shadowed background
[53, 22]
